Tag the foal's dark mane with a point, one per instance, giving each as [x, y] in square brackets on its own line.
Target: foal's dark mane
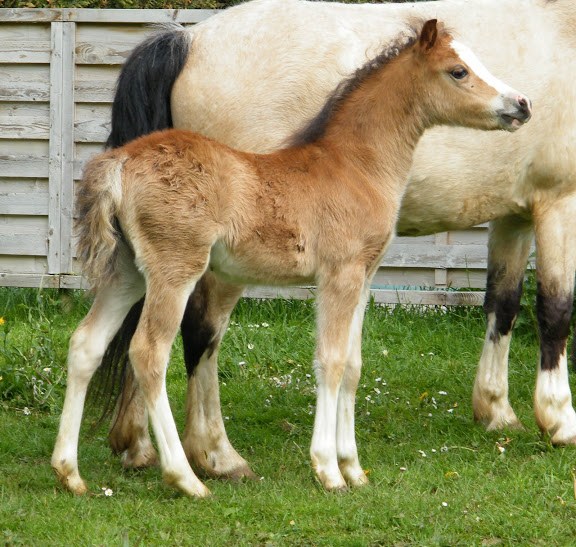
[316, 127]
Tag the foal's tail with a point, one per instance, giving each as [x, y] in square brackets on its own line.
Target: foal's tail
[142, 100]
[99, 198]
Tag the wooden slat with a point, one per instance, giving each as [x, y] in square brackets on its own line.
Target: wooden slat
[31, 244]
[24, 128]
[23, 203]
[97, 91]
[56, 135]
[24, 51]
[436, 256]
[20, 165]
[440, 274]
[24, 91]
[24, 121]
[29, 15]
[73, 282]
[109, 53]
[67, 147]
[381, 296]
[94, 130]
[29, 280]
[41, 15]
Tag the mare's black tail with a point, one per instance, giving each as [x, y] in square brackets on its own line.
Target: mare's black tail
[141, 105]
[142, 100]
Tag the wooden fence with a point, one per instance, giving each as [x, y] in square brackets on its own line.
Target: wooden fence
[58, 69]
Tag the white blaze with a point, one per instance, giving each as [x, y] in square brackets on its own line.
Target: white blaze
[469, 57]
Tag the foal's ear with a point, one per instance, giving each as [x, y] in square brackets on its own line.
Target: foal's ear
[429, 35]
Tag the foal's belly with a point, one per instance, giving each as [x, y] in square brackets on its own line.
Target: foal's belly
[260, 266]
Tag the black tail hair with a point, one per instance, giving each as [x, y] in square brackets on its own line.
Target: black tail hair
[142, 101]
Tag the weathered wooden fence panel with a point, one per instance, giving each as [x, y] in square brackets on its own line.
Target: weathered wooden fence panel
[58, 69]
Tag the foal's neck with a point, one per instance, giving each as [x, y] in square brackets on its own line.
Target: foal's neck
[378, 126]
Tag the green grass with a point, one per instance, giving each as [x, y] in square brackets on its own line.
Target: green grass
[463, 492]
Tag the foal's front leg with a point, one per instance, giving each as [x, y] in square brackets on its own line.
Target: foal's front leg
[345, 432]
[555, 226]
[339, 295]
[508, 249]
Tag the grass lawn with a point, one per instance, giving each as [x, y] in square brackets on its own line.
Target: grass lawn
[436, 477]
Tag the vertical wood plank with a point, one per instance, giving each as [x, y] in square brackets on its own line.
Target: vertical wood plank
[55, 149]
[67, 147]
[441, 274]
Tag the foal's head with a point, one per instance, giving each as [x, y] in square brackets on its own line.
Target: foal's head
[460, 88]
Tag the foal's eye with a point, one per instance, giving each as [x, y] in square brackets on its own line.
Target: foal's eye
[459, 73]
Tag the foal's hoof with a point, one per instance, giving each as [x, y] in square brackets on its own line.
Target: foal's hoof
[72, 482]
[353, 474]
[332, 483]
[190, 486]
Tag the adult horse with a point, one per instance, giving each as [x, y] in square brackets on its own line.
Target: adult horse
[253, 74]
[158, 212]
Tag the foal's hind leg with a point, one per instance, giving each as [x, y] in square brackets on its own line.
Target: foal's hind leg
[149, 354]
[87, 347]
[555, 226]
[205, 320]
[339, 295]
[205, 441]
[508, 250]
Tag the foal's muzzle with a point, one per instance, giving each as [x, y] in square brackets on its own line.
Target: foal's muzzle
[516, 112]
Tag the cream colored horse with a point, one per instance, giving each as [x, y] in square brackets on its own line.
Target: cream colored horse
[254, 74]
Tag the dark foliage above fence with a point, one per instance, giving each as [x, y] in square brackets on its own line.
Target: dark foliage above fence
[137, 4]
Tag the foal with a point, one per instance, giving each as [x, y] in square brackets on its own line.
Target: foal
[158, 212]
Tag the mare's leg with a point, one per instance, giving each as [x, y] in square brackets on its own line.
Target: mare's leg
[555, 226]
[205, 320]
[508, 250]
[345, 432]
[149, 354]
[339, 295]
[87, 346]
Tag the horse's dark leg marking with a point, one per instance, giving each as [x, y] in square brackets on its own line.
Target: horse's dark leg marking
[198, 332]
[508, 249]
[555, 226]
[503, 303]
[554, 313]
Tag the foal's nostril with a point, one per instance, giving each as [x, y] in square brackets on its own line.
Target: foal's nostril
[525, 104]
